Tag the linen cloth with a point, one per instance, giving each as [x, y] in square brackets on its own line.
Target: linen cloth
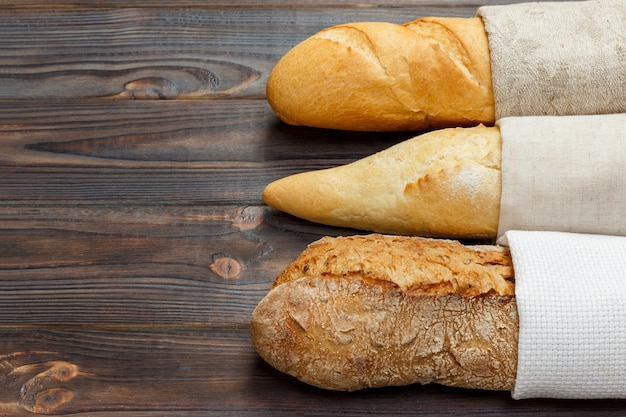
[557, 58]
[571, 299]
[564, 173]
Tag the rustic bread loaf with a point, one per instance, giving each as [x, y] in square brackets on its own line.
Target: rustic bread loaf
[376, 76]
[373, 311]
[445, 183]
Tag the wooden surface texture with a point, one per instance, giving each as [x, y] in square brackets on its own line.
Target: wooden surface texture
[135, 142]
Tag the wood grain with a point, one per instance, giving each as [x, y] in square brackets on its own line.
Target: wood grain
[158, 53]
[135, 143]
[189, 372]
[163, 152]
[140, 266]
[458, 5]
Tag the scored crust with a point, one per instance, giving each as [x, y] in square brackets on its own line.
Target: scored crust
[378, 76]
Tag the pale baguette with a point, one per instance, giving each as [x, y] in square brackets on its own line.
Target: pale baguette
[376, 76]
[445, 183]
[374, 311]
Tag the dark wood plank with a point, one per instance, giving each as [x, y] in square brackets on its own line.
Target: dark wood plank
[163, 53]
[134, 244]
[128, 267]
[138, 265]
[206, 372]
[160, 152]
[458, 4]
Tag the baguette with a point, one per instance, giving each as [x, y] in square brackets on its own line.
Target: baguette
[374, 311]
[374, 76]
[445, 183]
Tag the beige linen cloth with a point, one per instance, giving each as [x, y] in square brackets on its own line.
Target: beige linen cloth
[564, 173]
[558, 58]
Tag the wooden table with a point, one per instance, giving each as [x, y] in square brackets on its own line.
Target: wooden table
[134, 147]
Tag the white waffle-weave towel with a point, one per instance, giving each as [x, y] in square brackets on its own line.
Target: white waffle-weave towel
[564, 173]
[557, 58]
[571, 299]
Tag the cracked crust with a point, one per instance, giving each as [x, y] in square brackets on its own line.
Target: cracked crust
[375, 311]
[378, 76]
[414, 265]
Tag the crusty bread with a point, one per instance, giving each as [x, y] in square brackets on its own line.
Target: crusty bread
[445, 183]
[377, 76]
[373, 311]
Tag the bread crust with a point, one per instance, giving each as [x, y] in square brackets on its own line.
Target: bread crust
[377, 76]
[338, 323]
[412, 264]
[445, 183]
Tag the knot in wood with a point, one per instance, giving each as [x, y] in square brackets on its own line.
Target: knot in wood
[226, 267]
[63, 371]
[48, 401]
[151, 88]
[247, 218]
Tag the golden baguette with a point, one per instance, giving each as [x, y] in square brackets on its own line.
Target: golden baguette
[374, 311]
[445, 183]
[375, 76]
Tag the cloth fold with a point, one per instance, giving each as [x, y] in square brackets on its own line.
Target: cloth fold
[571, 297]
[564, 173]
[557, 58]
